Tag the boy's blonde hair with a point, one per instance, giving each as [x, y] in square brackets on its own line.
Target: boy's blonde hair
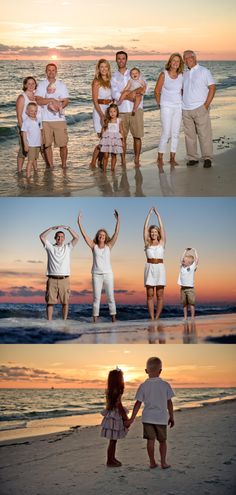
[190, 256]
[153, 364]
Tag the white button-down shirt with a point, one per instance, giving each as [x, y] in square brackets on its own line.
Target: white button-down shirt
[196, 84]
[118, 83]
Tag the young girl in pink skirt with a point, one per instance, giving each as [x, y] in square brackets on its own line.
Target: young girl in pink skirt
[112, 137]
[115, 415]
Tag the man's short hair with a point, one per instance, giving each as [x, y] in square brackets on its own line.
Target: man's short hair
[121, 52]
[53, 65]
[58, 232]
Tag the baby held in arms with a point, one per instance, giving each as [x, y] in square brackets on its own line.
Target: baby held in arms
[135, 82]
[54, 107]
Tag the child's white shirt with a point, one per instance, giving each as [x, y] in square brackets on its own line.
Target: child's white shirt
[186, 275]
[155, 393]
[33, 131]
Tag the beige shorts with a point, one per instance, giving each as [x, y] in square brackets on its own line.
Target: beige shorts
[133, 123]
[152, 432]
[187, 295]
[55, 132]
[33, 152]
[57, 289]
[21, 152]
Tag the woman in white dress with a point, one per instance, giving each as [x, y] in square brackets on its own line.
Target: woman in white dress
[168, 94]
[27, 96]
[101, 94]
[154, 271]
[102, 274]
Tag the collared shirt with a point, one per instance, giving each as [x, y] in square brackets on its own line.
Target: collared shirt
[196, 84]
[118, 83]
[154, 393]
[58, 259]
[186, 275]
[61, 92]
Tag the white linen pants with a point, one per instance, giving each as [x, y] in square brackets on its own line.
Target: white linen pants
[99, 281]
[171, 121]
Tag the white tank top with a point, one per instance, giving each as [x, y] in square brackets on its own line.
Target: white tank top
[104, 93]
[101, 260]
[26, 101]
[156, 252]
[171, 95]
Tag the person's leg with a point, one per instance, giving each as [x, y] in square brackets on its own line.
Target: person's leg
[137, 150]
[49, 156]
[160, 297]
[151, 453]
[163, 452]
[97, 281]
[137, 101]
[185, 309]
[192, 311]
[105, 161]
[96, 152]
[113, 161]
[109, 288]
[65, 308]
[165, 117]
[49, 310]
[63, 155]
[176, 119]
[29, 168]
[204, 132]
[150, 301]
[111, 451]
[190, 135]
[20, 163]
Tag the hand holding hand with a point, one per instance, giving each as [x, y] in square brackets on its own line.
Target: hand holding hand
[171, 422]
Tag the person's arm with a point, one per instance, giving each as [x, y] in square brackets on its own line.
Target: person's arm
[25, 141]
[117, 228]
[19, 109]
[135, 411]
[196, 258]
[121, 129]
[122, 410]
[158, 87]
[162, 229]
[84, 234]
[145, 227]
[170, 408]
[210, 96]
[74, 235]
[44, 234]
[95, 88]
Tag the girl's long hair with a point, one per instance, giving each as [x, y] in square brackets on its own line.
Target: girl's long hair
[107, 115]
[115, 388]
[98, 77]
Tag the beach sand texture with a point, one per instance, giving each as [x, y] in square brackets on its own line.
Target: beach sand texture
[201, 451]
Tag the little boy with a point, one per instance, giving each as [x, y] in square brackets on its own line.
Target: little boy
[156, 395]
[135, 82]
[32, 136]
[189, 262]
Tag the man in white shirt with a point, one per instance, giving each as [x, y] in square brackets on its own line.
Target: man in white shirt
[132, 123]
[156, 394]
[198, 93]
[58, 268]
[54, 122]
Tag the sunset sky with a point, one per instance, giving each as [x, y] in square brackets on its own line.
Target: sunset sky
[75, 366]
[71, 29]
[208, 224]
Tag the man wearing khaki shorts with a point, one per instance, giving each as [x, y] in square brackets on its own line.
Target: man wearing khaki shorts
[54, 122]
[58, 268]
[132, 123]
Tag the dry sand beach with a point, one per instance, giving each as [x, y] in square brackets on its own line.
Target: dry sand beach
[201, 451]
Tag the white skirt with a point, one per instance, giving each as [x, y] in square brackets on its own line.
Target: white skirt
[96, 118]
[154, 274]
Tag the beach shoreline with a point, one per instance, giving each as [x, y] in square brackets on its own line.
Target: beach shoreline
[60, 463]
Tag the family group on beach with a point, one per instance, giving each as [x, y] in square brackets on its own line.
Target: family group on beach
[182, 95]
[156, 395]
[58, 268]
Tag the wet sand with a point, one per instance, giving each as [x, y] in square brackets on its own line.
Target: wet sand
[201, 451]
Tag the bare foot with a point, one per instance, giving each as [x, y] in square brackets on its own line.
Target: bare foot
[113, 464]
[113, 318]
[117, 462]
[137, 162]
[95, 319]
[165, 466]
[153, 465]
[173, 162]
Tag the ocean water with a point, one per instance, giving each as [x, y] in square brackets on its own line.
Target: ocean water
[19, 406]
[26, 323]
[78, 76]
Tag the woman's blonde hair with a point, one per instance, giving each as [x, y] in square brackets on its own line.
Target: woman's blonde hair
[149, 232]
[107, 239]
[98, 77]
[180, 69]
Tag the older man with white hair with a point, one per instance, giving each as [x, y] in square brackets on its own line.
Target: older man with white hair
[198, 93]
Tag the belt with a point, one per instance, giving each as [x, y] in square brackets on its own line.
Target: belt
[154, 260]
[60, 277]
[104, 102]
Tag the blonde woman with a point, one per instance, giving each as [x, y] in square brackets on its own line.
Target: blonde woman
[154, 272]
[168, 94]
[101, 94]
[102, 274]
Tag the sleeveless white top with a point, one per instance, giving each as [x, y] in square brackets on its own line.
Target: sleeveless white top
[101, 260]
[156, 252]
[171, 95]
[26, 101]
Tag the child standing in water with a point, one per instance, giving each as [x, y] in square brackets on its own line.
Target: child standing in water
[114, 415]
[112, 136]
[189, 262]
[32, 136]
[135, 82]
